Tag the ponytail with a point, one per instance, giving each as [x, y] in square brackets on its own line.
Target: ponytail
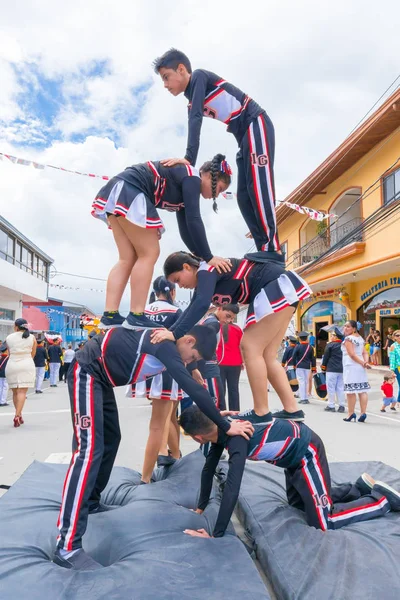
[22, 325]
[220, 171]
[225, 331]
[176, 260]
[161, 286]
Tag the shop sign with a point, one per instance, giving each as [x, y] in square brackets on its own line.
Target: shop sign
[325, 295]
[387, 312]
[385, 283]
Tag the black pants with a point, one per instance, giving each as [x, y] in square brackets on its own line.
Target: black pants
[308, 488]
[256, 187]
[65, 368]
[95, 445]
[230, 378]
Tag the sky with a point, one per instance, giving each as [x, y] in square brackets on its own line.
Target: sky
[78, 91]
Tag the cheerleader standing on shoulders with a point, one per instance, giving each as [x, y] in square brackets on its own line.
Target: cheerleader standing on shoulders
[129, 204]
[272, 294]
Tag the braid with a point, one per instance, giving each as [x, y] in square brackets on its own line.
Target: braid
[215, 163]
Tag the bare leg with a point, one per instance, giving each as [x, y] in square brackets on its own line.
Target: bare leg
[119, 274]
[19, 398]
[351, 403]
[164, 443]
[159, 414]
[259, 338]
[147, 248]
[277, 374]
[363, 397]
[174, 434]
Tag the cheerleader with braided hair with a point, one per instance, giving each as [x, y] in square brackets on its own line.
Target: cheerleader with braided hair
[129, 204]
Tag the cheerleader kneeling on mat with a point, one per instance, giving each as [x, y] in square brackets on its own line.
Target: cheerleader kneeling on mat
[272, 294]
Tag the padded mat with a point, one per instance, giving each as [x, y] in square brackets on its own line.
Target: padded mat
[141, 544]
[360, 561]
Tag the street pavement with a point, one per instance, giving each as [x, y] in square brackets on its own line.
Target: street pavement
[47, 432]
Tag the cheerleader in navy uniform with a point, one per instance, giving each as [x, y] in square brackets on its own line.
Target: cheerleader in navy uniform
[129, 204]
[162, 390]
[209, 95]
[272, 294]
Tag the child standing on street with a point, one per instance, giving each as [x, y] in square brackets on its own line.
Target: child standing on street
[387, 391]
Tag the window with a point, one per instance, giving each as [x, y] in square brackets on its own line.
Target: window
[10, 249]
[18, 250]
[391, 187]
[284, 249]
[24, 258]
[3, 243]
[7, 314]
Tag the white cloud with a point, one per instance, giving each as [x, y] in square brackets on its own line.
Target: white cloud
[315, 71]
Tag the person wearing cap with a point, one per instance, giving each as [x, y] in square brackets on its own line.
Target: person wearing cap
[40, 359]
[332, 365]
[303, 360]
[288, 354]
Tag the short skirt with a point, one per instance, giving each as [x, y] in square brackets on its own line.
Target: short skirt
[122, 199]
[288, 290]
[159, 387]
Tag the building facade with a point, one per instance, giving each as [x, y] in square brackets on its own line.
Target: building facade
[58, 316]
[352, 261]
[24, 275]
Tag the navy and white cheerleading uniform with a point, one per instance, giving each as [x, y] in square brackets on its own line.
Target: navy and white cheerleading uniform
[266, 287]
[161, 386]
[141, 190]
[300, 451]
[211, 96]
[120, 357]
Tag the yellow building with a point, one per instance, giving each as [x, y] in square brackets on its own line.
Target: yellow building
[352, 265]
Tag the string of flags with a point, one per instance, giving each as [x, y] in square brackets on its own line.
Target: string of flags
[36, 165]
[73, 288]
[315, 215]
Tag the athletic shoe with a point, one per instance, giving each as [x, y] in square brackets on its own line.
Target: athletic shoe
[79, 561]
[250, 415]
[138, 322]
[4, 403]
[330, 409]
[165, 461]
[38, 392]
[383, 410]
[390, 494]
[111, 320]
[341, 409]
[294, 416]
[393, 408]
[365, 483]
[100, 507]
[304, 402]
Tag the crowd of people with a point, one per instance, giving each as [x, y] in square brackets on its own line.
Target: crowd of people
[168, 353]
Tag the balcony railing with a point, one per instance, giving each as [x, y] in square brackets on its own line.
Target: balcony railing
[320, 244]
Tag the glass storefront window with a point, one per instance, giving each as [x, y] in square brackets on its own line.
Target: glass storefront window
[7, 314]
[325, 308]
[384, 301]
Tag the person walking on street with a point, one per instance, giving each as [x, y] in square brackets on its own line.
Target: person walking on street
[394, 358]
[55, 355]
[332, 365]
[303, 359]
[40, 359]
[355, 365]
[20, 369]
[3, 380]
[69, 356]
